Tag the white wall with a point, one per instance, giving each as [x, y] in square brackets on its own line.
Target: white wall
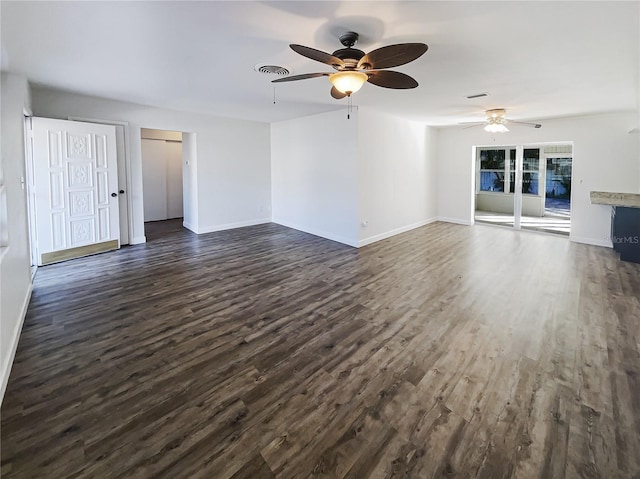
[162, 179]
[231, 174]
[397, 175]
[314, 174]
[605, 158]
[15, 263]
[494, 202]
[355, 180]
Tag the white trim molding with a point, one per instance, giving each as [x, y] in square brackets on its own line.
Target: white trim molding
[137, 240]
[190, 227]
[592, 241]
[457, 221]
[396, 231]
[229, 226]
[316, 232]
[15, 339]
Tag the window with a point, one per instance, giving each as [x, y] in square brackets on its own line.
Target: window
[558, 182]
[499, 175]
[530, 171]
[492, 174]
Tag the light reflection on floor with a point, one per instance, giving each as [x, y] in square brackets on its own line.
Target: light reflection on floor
[552, 222]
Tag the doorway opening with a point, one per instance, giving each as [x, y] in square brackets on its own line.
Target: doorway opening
[162, 182]
[525, 187]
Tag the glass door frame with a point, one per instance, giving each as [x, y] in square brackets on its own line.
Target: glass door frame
[518, 195]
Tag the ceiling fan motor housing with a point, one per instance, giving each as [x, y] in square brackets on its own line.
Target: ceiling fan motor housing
[496, 113]
[350, 56]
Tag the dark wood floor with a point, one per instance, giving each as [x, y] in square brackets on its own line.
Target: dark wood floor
[263, 352]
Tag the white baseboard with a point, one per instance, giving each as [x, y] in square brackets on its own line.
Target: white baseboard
[138, 240]
[393, 232]
[15, 338]
[592, 241]
[230, 226]
[316, 232]
[190, 227]
[457, 221]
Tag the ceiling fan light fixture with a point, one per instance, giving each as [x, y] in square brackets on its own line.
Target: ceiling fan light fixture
[495, 127]
[348, 82]
[495, 121]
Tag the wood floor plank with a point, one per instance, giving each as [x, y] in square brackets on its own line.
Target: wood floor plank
[265, 352]
[256, 468]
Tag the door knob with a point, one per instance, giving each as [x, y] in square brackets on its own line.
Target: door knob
[121, 191]
[114, 195]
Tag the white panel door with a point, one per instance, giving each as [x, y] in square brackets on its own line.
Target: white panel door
[174, 179]
[162, 179]
[76, 186]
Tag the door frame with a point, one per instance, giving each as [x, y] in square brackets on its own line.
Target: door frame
[31, 204]
[127, 165]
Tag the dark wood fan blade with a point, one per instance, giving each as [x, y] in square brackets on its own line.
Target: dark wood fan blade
[392, 55]
[300, 77]
[391, 79]
[317, 55]
[337, 94]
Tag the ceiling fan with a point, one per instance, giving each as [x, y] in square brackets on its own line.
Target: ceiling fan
[496, 122]
[355, 67]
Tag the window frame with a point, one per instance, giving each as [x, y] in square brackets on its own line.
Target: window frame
[507, 171]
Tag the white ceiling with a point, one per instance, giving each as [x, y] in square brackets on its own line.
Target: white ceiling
[536, 59]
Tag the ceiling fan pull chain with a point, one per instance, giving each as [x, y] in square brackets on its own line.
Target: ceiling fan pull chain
[274, 95]
[349, 107]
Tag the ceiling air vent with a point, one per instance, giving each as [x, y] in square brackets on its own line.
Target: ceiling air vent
[272, 70]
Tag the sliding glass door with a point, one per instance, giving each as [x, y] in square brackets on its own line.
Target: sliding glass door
[558, 170]
[524, 187]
